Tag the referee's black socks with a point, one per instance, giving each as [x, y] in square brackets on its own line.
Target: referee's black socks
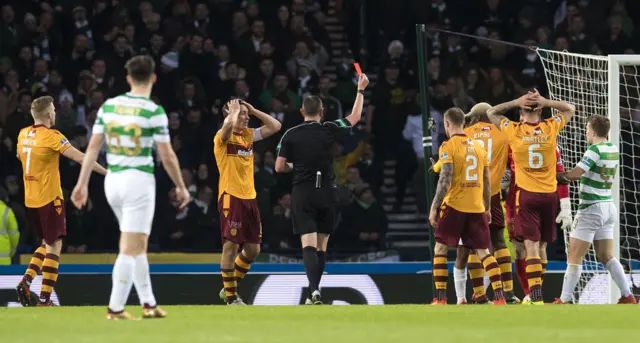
[311, 266]
[321, 261]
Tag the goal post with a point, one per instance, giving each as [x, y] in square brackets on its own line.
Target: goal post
[606, 85]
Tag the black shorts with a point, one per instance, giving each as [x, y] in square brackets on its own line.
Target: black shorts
[313, 210]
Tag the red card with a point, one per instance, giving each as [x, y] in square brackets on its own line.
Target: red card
[358, 70]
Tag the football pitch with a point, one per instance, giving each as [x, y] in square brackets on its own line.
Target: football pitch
[329, 324]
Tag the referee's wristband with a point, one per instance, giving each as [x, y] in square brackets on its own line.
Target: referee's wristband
[361, 91]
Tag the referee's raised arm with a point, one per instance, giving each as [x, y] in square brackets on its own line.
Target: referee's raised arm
[356, 111]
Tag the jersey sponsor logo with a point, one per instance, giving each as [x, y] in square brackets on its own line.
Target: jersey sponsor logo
[164, 131]
[239, 150]
[537, 131]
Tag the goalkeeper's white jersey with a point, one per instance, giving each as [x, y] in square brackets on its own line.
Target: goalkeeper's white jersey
[600, 164]
[131, 125]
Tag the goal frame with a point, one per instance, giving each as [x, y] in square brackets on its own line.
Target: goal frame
[613, 90]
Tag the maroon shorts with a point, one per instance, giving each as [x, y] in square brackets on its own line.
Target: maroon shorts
[239, 220]
[454, 225]
[497, 215]
[536, 216]
[49, 221]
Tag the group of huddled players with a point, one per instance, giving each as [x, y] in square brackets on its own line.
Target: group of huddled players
[483, 148]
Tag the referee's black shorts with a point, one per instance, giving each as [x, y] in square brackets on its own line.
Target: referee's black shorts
[313, 209]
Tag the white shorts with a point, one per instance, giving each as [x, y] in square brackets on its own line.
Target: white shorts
[132, 194]
[595, 222]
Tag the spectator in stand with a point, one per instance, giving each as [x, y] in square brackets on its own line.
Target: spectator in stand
[9, 93]
[243, 92]
[66, 115]
[364, 222]
[615, 40]
[307, 79]
[249, 45]
[332, 106]
[263, 78]
[280, 89]
[458, 96]
[304, 56]
[281, 235]
[180, 225]
[20, 118]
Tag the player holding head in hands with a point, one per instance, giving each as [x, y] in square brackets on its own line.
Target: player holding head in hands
[494, 142]
[39, 149]
[132, 124]
[463, 197]
[237, 205]
[533, 145]
[308, 148]
[597, 214]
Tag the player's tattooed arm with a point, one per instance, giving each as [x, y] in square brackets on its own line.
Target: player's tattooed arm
[231, 110]
[496, 113]
[486, 189]
[446, 174]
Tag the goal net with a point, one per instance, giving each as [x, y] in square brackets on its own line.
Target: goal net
[605, 85]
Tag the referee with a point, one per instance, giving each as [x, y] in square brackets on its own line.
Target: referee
[306, 150]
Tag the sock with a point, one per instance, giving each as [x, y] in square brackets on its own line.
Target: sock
[321, 262]
[506, 270]
[493, 270]
[230, 284]
[476, 273]
[544, 268]
[142, 281]
[617, 274]
[440, 276]
[460, 281]
[534, 278]
[49, 275]
[486, 282]
[34, 265]
[310, 257]
[122, 280]
[521, 273]
[242, 266]
[571, 278]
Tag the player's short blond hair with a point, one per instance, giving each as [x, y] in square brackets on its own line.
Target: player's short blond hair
[41, 106]
[478, 113]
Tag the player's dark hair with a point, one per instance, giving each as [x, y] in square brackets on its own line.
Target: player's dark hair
[600, 125]
[455, 116]
[140, 68]
[312, 106]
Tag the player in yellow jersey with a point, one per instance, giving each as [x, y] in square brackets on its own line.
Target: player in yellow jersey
[39, 150]
[479, 128]
[533, 145]
[463, 197]
[239, 214]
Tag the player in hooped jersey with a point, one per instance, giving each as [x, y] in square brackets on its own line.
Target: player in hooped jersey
[533, 143]
[237, 205]
[597, 214]
[463, 197]
[563, 218]
[131, 124]
[39, 149]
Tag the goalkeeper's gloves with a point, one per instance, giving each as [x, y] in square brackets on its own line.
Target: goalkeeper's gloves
[564, 217]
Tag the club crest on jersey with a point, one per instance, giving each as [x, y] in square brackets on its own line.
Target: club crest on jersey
[537, 131]
[31, 133]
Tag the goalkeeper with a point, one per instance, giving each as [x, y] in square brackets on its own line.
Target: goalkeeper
[597, 214]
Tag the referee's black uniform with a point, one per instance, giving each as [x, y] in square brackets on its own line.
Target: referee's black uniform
[313, 198]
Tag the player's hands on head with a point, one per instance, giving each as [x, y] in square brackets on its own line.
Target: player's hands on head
[234, 106]
[183, 196]
[79, 196]
[363, 81]
[250, 107]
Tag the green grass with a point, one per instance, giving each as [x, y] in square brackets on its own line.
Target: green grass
[329, 324]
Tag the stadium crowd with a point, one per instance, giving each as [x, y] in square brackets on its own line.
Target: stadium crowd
[272, 54]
